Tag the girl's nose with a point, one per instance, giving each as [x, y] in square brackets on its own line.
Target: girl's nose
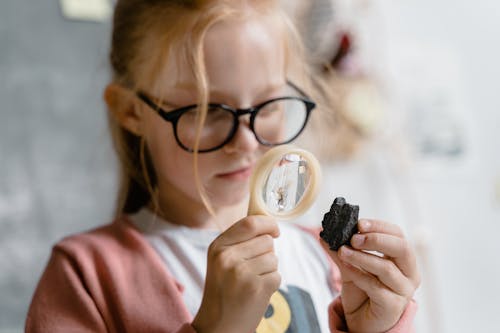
[243, 140]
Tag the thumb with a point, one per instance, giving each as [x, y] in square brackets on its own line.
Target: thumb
[340, 264]
[352, 296]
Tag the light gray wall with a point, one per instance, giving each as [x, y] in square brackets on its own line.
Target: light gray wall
[56, 164]
[461, 202]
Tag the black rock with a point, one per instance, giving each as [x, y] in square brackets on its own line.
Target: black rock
[340, 224]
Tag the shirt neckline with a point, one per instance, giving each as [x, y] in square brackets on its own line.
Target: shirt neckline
[151, 224]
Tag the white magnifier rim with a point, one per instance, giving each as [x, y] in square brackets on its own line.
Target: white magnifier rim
[261, 173]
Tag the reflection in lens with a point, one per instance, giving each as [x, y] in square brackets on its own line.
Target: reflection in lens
[216, 129]
[280, 121]
[286, 184]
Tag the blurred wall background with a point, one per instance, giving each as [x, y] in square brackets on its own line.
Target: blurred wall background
[56, 167]
[443, 57]
[438, 176]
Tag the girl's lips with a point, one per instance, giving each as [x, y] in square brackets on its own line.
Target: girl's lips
[240, 174]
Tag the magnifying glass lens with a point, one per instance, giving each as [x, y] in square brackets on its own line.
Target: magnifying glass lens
[286, 184]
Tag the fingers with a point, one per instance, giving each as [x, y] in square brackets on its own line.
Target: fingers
[378, 293]
[385, 270]
[352, 296]
[272, 281]
[365, 226]
[395, 247]
[248, 228]
[263, 264]
[335, 257]
[255, 246]
[247, 243]
[381, 284]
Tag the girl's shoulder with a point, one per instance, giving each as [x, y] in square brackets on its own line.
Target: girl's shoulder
[105, 272]
[119, 236]
[116, 250]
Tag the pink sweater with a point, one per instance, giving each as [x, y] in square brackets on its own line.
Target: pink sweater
[111, 280]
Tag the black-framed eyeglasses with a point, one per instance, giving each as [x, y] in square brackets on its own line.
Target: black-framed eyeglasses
[274, 122]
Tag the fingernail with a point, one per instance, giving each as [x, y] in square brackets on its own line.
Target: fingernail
[345, 251]
[358, 240]
[365, 224]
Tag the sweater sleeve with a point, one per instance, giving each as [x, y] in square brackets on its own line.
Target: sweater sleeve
[61, 302]
[338, 324]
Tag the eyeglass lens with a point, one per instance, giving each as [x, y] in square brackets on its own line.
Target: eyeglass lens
[275, 123]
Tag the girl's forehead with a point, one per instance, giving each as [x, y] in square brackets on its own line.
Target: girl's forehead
[250, 48]
[240, 57]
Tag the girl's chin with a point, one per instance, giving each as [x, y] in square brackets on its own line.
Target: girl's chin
[231, 198]
[223, 193]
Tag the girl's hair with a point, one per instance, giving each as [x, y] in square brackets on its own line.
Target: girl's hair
[149, 33]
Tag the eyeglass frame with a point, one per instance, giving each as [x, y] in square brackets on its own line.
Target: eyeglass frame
[173, 116]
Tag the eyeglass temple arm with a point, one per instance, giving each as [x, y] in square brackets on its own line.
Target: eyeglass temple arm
[294, 86]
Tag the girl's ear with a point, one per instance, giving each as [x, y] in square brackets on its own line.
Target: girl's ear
[122, 104]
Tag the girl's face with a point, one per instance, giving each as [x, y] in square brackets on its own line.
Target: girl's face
[245, 63]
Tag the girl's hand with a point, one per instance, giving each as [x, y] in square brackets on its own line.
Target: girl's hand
[376, 289]
[242, 274]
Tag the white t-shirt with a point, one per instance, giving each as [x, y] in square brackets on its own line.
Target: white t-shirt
[301, 304]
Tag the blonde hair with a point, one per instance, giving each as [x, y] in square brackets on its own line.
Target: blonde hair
[145, 34]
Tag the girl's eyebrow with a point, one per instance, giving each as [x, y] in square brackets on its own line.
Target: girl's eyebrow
[271, 89]
[263, 93]
[219, 95]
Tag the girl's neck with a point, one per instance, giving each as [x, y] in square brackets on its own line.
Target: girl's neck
[194, 214]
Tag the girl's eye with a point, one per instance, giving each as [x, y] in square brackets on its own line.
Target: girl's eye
[189, 115]
[217, 114]
[271, 109]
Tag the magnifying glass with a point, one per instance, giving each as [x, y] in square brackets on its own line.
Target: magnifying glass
[284, 183]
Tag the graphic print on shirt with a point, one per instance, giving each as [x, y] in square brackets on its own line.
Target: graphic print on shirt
[290, 311]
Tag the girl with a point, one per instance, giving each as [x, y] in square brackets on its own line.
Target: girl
[200, 90]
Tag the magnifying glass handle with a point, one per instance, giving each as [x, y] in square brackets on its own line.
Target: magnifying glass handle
[253, 207]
